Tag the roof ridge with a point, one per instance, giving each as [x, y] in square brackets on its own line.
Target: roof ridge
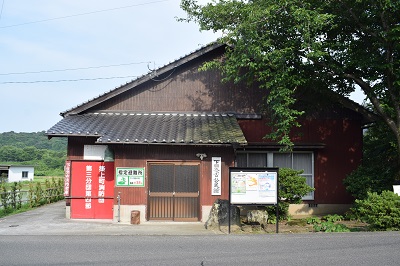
[140, 79]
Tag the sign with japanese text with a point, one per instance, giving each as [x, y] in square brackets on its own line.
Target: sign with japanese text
[67, 178]
[257, 186]
[216, 176]
[129, 177]
[92, 189]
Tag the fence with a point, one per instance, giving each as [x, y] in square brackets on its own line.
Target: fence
[15, 195]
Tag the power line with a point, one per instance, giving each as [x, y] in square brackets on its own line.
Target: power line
[69, 69]
[64, 80]
[82, 14]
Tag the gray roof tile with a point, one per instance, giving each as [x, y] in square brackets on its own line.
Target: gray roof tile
[152, 128]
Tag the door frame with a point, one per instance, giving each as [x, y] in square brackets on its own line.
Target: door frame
[172, 194]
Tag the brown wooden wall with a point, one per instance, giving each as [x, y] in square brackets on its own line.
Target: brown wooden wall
[185, 89]
[141, 155]
[341, 153]
[75, 147]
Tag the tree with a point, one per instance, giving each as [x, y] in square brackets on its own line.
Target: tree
[294, 45]
[379, 165]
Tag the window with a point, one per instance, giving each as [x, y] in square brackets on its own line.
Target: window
[25, 174]
[296, 160]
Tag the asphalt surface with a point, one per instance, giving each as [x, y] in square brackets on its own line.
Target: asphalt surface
[50, 220]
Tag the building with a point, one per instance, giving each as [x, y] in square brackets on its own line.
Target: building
[151, 145]
[17, 173]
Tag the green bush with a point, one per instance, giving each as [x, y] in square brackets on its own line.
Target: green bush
[292, 187]
[333, 218]
[330, 227]
[38, 193]
[283, 209]
[313, 220]
[380, 211]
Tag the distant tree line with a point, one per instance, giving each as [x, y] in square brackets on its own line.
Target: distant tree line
[36, 139]
[48, 156]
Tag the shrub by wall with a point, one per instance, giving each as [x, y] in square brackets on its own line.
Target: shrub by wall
[380, 211]
[292, 187]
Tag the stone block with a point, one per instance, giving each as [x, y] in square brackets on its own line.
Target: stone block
[258, 216]
[219, 215]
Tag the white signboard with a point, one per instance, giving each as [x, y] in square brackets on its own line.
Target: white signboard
[94, 152]
[129, 177]
[253, 186]
[216, 176]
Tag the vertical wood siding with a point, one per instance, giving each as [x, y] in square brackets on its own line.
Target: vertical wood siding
[75, 146]
[186, 90]
[142, 155]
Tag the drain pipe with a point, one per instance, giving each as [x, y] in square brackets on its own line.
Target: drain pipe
[119, 206]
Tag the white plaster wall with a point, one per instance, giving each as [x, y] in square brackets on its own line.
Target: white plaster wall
[205, 213]
[125, 213]
[15, 173]
[301, 210]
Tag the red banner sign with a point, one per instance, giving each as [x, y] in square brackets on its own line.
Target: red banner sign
[92, 190]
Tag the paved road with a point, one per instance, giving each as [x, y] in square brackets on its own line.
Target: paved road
[44, 237]
[273, 249]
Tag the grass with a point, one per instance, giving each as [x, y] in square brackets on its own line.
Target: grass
[9, 211]
[44, 178]
[36, 179]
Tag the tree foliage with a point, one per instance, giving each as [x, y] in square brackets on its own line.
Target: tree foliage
[292, 186]
[48, 156]
[34, 139]
[379, 165]
[293, 45]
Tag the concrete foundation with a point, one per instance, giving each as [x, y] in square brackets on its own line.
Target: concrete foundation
[68, 212]
[296, 210]
[303, 210]
[205, 210]
[125, 213]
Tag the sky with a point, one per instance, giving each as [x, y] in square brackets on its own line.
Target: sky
[55, 55]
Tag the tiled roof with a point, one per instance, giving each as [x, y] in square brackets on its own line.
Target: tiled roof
[152, 128]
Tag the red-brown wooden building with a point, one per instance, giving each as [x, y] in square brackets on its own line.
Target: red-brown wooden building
[155, 142]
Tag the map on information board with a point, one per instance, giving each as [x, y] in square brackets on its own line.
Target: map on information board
[253, 186]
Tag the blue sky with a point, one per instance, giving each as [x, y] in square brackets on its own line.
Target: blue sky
[96, 38]
[45, 44]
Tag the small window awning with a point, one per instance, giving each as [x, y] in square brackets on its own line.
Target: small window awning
[153, 128]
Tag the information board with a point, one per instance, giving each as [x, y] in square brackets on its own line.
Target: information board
[129, 177]
[253, 186]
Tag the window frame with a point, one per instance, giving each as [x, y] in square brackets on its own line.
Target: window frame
[23, 173]
[269, 161]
